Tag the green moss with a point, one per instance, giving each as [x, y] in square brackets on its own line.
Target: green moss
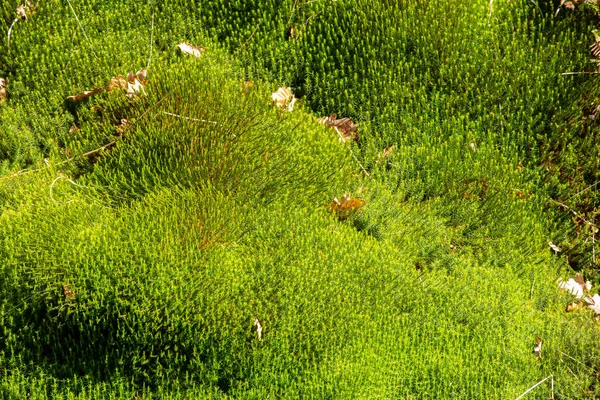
[135, 257]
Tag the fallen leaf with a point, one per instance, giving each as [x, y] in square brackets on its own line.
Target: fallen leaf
[21, 12]
[134, 83]
[537, 350]
[594, 304]
[141, 75]
[135, 87]
[3, 95]
[68, 292]
[346, 202]
[85, 94]
[554, 247]
[259, 328]
[284, 99]
[24, 10]
[187, 48]
[574, 306]
[123, 126]
[576, 286]
[347, 129]
[118, 82]
[387, 152]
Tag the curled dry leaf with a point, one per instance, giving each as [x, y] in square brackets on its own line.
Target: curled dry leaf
[595, 112]
[3, 95]
[570, 4]
[187, 48]
[346, 202]
[123, 126]
[593, 304]
[576, 286]
[537, 350]
[259, 328]
[347, 129]
[386, 152]
[284, 99]
[85, 94]
[134, 83]
[68, 292]
[554, 247]
[574, 306]
[134, 88]
[26, 9]
[116, 82]
[595, 47]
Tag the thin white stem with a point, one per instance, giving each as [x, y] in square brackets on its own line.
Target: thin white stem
[82, 30]
[102, 148]
[593, 221]
[591, 224]
[574, 359]
[536, 385]
[190, 118]
[580, 73]
[52, 186]
[9, 32]
[293, 10]
[151, 43]
[250, 37]
[584, 190]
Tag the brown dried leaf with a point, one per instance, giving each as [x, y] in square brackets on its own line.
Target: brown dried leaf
[24, 10]
[123, 126]
[3, 95]
[187, 48]
[537, 350]
[387, 151]
[595, 112]
[118, 82]
[134, 84]
[69, 294]
[134, 88]
[85, 94]
[347, 203]
[574, 306]
[141, 75]
[347, 129]
[593, 304]
[595, 49]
